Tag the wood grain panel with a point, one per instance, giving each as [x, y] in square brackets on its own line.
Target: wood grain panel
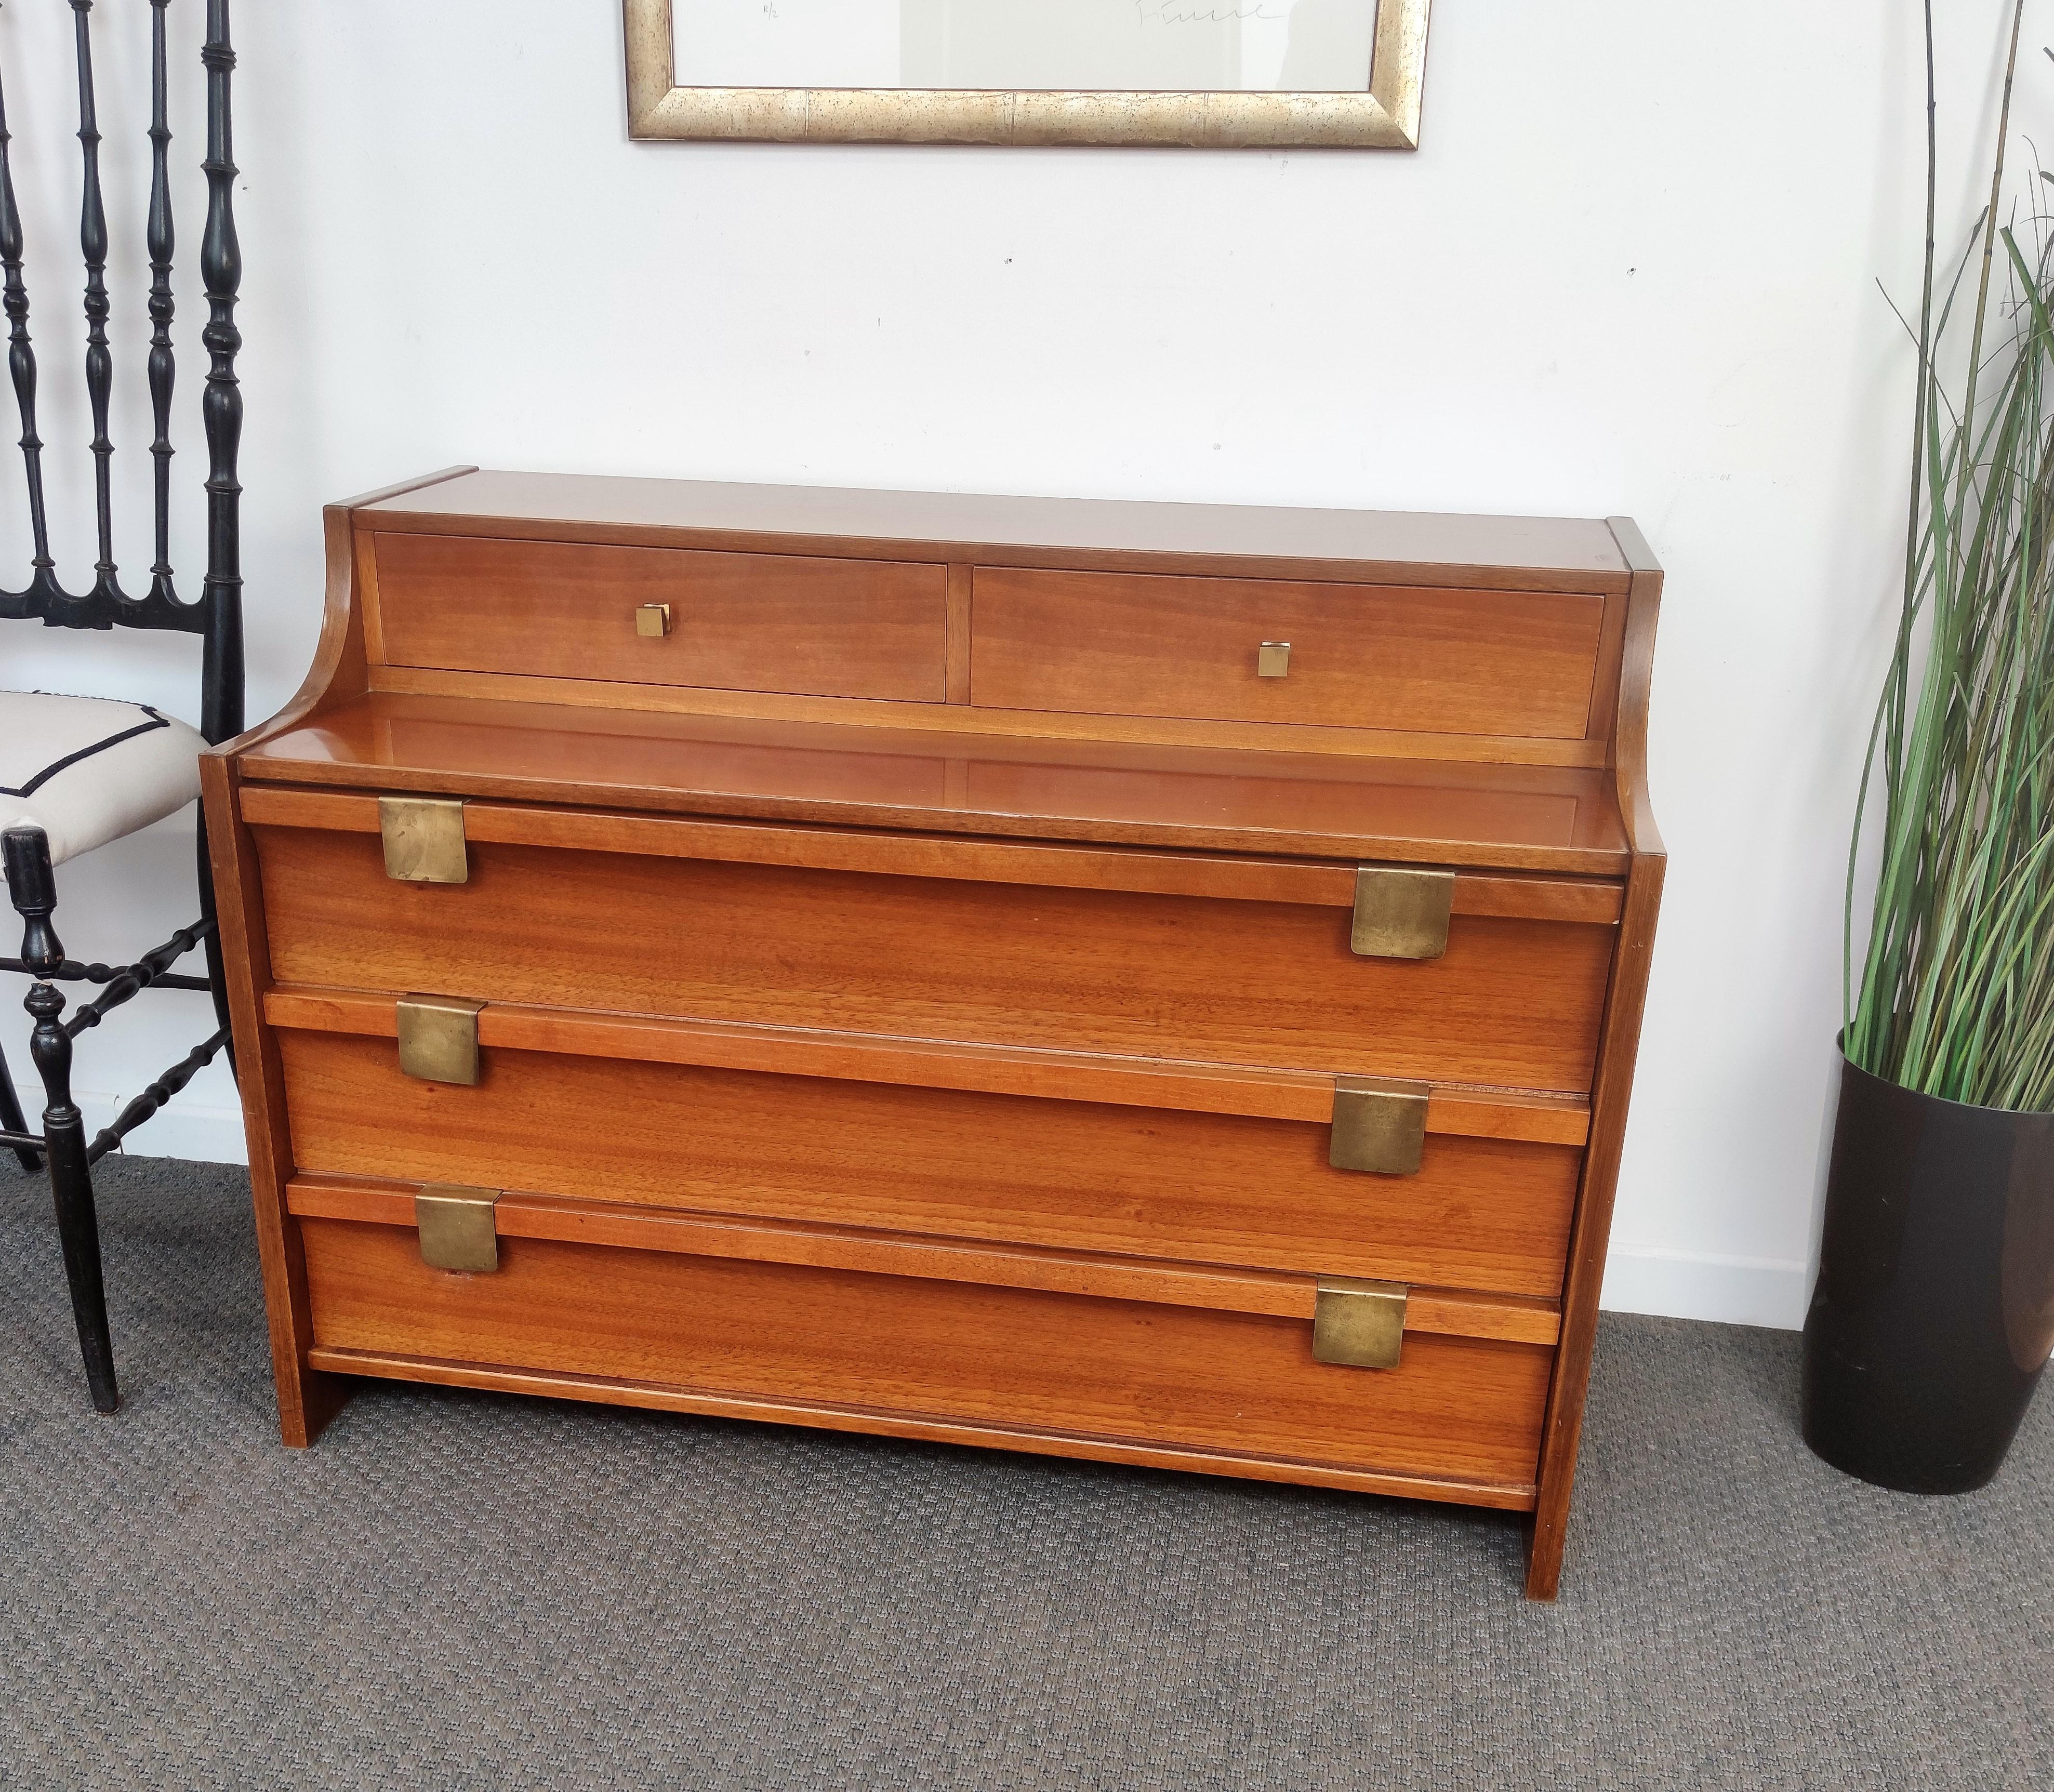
[1261, 1094]
[1237, 879]
[1613, 1094]
[1509, 1496]
[821, 628]
[1482, 1213]
[1137, 644]
[959, 722]
[1454, 1312]
[959, 666]
[1512, 1003]
[1456, 1408]
[1533, 818]
[1520, 553]
[307, 1398]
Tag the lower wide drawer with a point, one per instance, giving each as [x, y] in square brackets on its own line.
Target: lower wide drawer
[1229, 1391]
[1483, 1213]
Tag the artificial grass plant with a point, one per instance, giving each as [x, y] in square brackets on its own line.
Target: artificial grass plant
[1956, 987]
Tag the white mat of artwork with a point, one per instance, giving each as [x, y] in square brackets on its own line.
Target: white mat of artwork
[1118, 46]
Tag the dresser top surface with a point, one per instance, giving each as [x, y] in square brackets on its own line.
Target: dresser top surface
[1558, 552]
[1531, 818]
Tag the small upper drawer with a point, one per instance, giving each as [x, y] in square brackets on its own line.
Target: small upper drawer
[736, 622]
[1519, 663]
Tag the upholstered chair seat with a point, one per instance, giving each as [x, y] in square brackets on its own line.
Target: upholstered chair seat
[87, 770]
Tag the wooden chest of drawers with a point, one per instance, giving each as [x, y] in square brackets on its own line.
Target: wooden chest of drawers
[1147, 982]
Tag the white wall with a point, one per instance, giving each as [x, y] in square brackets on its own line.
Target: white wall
[1633, 270]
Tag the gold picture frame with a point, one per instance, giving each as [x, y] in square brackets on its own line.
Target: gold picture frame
[1385, 116]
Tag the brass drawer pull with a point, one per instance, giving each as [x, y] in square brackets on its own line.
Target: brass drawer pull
[459, 1228]
[1359, 1325]
[439, 1038]
[1400, 912]
[423, 839]
[652, 621]
[1273, 660]
[1380, 1124]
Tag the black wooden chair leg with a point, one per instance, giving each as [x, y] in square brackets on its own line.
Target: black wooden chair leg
[217, 977]
[32, 888]
[11, 1119]
[78, 1233]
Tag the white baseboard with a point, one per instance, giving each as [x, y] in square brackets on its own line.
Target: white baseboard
[180, 1129]
[1683, 1285]
[1735, 1290]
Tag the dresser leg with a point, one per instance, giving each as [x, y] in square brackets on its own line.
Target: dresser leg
[1544, 1559]
[308, 1399]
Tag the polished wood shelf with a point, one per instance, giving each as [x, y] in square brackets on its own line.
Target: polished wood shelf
[1521, 817]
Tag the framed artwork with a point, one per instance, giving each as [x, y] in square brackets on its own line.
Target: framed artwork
[1343, 74]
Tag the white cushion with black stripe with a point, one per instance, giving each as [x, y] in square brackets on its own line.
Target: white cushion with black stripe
[87, 770]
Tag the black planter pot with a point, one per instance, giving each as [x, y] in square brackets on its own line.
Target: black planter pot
[1933, 1314]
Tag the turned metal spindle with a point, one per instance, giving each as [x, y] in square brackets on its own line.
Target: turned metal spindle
[221, 407]
[21, 369]
[99, 357]
[163, 369]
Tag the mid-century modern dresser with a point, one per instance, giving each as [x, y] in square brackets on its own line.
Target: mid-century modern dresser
[1151, 982]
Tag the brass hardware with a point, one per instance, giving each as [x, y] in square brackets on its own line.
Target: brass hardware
[1400, 912]
[439, 1038]
[423, 838]
[1360, 1325]
[652, 621]
[1380, 1124]
[1273, 660]
[459, 1228]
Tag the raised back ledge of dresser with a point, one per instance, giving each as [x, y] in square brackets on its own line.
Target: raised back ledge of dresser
[1576, 805]
[1374, 547]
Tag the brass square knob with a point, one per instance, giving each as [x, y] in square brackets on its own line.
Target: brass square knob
[652, 621]
[423, 839]
[459, 1226]
[439, 1038]
[1359, 1325]
[1380, 1124]
[1273, 660]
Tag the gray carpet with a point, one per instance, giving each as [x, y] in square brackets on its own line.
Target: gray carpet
[459, 1590]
